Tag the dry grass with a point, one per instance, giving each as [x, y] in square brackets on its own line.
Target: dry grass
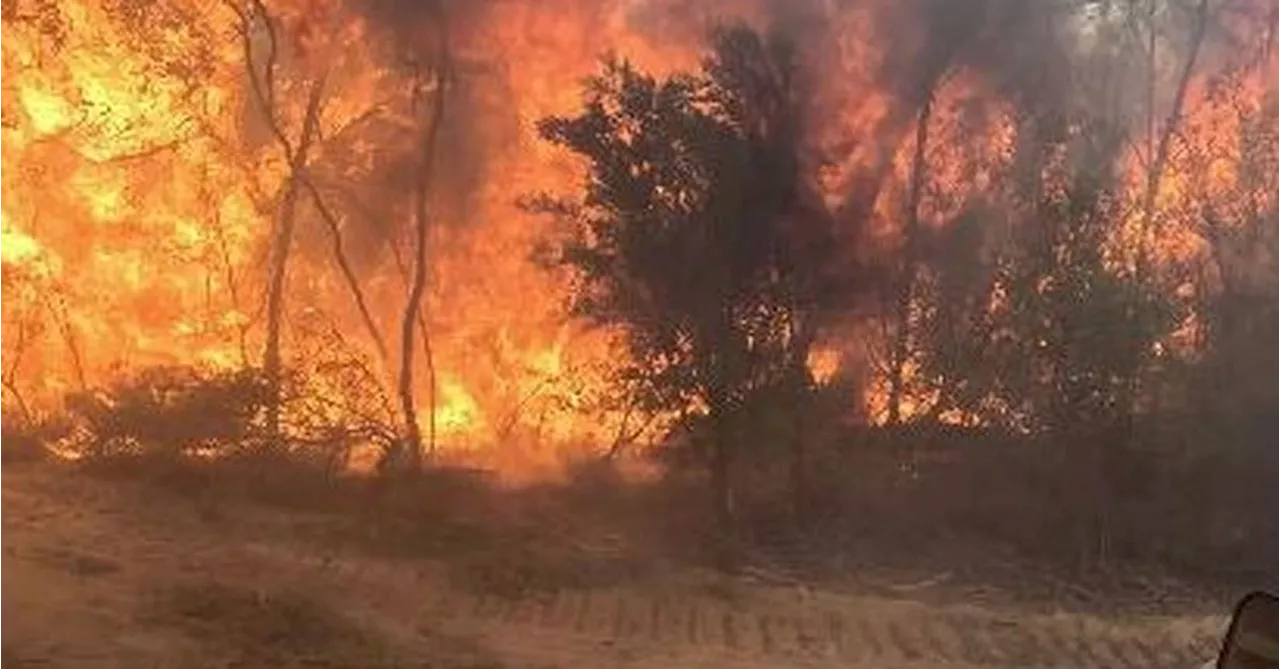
[279, 628]
[19, 443]
[116, 575]
[492, 541]
[987, 519]
[287, 628]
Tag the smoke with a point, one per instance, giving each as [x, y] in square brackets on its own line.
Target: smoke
[404, 14]
[873, 62]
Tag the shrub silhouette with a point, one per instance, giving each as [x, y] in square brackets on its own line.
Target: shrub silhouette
[170, 410]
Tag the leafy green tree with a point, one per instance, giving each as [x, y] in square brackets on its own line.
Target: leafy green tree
[697, 233]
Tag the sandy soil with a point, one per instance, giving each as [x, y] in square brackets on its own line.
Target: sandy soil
[99, 574]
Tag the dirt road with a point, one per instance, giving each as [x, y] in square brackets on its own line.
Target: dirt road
[104, 575]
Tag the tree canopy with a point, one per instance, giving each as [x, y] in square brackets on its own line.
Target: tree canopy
[699, 232]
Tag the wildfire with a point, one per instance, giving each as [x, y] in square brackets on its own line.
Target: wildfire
[140, 183]
[139, 186]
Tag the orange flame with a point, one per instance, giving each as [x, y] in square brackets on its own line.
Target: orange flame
[139, 188]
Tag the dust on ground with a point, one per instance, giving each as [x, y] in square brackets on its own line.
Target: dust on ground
[111, 574]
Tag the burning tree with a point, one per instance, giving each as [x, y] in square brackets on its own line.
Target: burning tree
[1048, 333]
[698, 234]
[270, 39]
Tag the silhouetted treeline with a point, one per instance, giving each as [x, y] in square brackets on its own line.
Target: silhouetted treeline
[1049, 302]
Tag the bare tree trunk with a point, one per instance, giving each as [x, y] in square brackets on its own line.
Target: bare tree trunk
[262, 84]
[722, 483]
[408, 404]
[721, 418]
[413, 305]
[906, 287]
[280, 246]
[233, 291]
[348, 272]
[428, 358]
[423, 330]
[428, 353]
[798, 389]
[1155, 170]
[1121, 435]
[59, 312]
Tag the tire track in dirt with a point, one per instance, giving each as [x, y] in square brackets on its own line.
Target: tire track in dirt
[880, 632]
[596, 627]
[763, 628]
[678, 626]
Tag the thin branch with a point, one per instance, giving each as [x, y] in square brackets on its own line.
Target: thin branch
[509, 424]
[353, 200]
[58, 310]
[370, 377]
[906, 289]
[15, 354]
[263, 86]
[348, 272]
[264, 93]
[425, 177]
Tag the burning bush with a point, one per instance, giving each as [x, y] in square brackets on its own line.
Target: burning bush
[169, 410]
[329, 406]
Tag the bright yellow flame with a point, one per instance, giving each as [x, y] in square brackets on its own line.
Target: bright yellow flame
[456, 411]
[17, 246]
[49, 112]
[140, 186]
[823, 364]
